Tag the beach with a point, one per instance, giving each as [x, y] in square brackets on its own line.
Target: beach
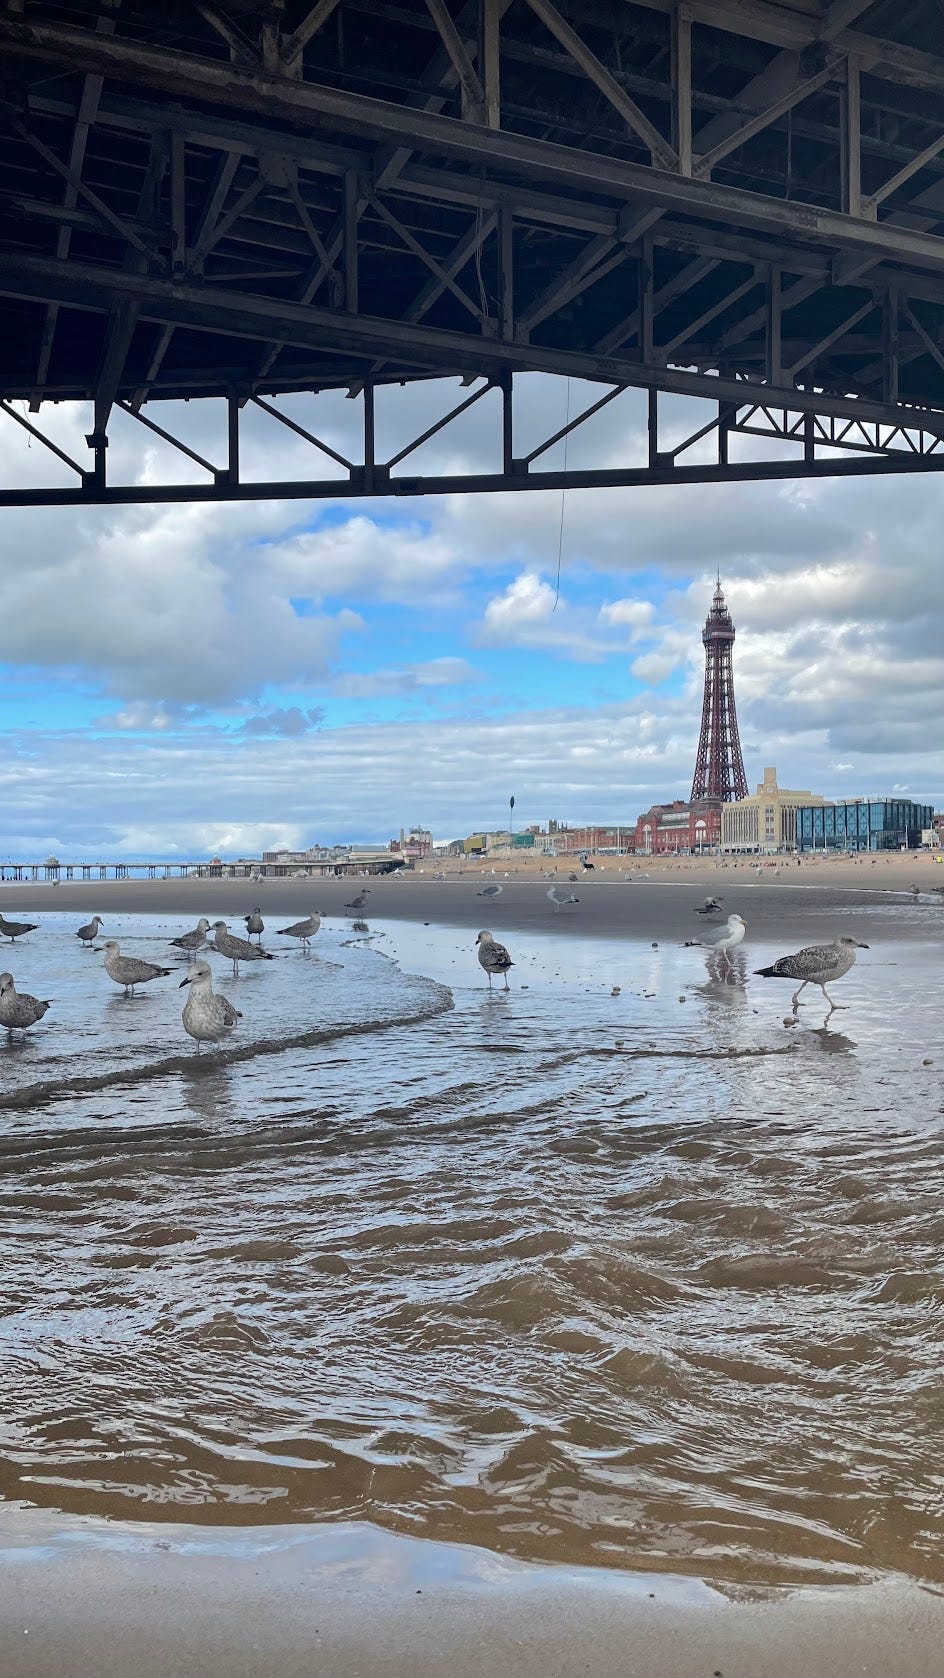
[585, 1328]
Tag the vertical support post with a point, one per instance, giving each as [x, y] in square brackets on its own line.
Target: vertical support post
[774, 328]
[682, 85]
[490, 60]
[508, 431]
[232, 432]
[506, 232]
[724, 417]
[350, 241]
[645, 301]
[370, 444]
[809, 434]
[178, 206]
[653, 427]
[890, 346]
[851, 132]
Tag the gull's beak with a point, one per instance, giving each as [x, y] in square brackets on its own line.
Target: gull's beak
[182, 983]
[861, 945]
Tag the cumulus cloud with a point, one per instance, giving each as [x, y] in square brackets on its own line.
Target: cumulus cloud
[412, 679]
[288, 722]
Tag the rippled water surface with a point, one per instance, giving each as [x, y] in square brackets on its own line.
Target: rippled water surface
[643, 1279]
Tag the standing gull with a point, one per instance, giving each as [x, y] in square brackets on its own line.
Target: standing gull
[129, 971]
[560, 898]
[301, 929]
[18, 1011]
[720, 939]
[815, 966]
[89, 933]
[493, 957]
[190, 942]
[236, 949]
[207, 1016]
[359, 903]
[490, 891]
[255, 925]
[15, 929]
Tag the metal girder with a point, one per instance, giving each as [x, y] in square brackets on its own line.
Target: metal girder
[214, 82]
[85, 286]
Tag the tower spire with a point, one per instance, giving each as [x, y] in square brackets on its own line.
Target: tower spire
[719, 766]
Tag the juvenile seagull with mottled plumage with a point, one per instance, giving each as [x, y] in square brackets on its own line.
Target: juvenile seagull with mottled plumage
[190, 942]
[236, 949]
[129, 971]
[89, 932]
[817, 965]
[18, 1010]
[15, 929]
[303, 930]
[207, 1015]
[493, 957]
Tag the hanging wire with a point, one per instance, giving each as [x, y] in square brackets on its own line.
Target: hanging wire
[560, 533]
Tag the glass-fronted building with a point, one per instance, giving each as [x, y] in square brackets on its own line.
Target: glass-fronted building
[862, 824]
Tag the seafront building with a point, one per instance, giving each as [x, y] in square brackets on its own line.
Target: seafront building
[863, 824]
[767, 820]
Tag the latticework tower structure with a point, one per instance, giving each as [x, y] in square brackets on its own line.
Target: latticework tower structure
[719, 767]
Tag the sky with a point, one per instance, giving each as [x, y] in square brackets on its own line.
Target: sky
[190, 679]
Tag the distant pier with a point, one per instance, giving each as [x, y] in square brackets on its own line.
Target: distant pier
[51, 871]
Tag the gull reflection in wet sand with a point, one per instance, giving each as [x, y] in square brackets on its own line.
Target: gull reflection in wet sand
[207, 1091]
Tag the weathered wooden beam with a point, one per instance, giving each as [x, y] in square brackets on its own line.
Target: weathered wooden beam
[473, 93]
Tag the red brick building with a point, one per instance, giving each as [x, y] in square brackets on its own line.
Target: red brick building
[679, 828]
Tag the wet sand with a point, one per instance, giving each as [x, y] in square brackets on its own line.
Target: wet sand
[789, 906]
[350, 1602]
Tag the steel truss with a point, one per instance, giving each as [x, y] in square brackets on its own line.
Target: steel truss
[735, 200]
[824, 446]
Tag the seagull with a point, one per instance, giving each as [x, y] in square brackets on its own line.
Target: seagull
[236, 949]
[560, 898]
[89, 933]
[493, 957]
[207, 1017]
[15, 929]
[573, 877]
[720, 939]
[360, 901]
[190, 942]
[815, 965]
[711, 906]
[255, 925]
[301, 929]
[490, 891]
[129, 971]
[17, 1010]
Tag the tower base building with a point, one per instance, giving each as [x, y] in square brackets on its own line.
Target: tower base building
[767, 821]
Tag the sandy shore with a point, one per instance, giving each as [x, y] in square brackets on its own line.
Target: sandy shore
[350, 1601]
[791, 905]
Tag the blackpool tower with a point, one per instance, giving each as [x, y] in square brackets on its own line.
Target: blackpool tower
[719, 767]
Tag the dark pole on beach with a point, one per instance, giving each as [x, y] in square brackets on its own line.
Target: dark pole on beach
[511, 819]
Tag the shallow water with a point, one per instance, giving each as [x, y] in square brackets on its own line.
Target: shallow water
[644, 1280]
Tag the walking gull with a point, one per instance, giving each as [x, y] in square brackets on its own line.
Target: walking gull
[255, 925]
[129, 971]
[18, 1011]
[559, 897]
[191, 942]
[207, 1016]
[301, 929]
[236, 949]
[816, 965]
[720, 939]
[89, 933]
[490, 891]
[15, 929]
[493, 957]
[360, 901]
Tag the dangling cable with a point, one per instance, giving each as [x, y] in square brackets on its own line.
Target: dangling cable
[560, 534]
